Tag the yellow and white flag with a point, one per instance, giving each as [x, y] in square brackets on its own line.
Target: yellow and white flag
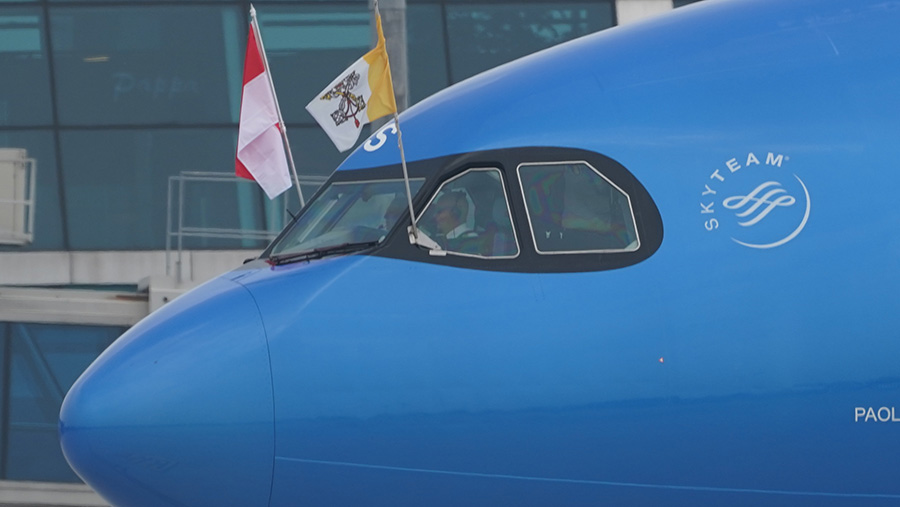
[361, 94]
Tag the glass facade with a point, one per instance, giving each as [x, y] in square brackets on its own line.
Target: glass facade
[25, 85]
[142, 65]
[38, 364]
[483, 36]
[116, 177]
[112, 100]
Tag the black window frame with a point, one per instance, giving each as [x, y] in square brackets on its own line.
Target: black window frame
[438, 170]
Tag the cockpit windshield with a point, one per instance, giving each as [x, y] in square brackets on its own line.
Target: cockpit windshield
[348, 213]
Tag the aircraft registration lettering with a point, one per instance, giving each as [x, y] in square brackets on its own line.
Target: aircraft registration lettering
[380, 136]
[770, 211]
[881, 414]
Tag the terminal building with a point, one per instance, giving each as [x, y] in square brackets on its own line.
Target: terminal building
[118, 127]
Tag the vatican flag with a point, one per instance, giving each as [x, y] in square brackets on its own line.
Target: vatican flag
[361, 94]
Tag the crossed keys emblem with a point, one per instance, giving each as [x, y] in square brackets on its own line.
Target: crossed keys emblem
[351, 104]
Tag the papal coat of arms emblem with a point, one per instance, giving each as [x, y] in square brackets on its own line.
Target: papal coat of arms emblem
[351, 104]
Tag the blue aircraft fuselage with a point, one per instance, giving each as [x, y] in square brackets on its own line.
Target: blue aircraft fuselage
[746, 353]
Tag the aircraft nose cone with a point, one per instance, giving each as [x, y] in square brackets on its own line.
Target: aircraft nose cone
[178, 411]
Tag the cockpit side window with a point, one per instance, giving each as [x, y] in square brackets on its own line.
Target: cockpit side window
[470, 216]
[573, 208]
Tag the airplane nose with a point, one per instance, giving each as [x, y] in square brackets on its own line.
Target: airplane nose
[179, 410]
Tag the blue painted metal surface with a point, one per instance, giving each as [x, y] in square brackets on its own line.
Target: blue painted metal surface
[711, 373]
[179, 410]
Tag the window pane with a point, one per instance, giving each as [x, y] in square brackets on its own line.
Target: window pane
[24, 79]
[117, 184]
[470, 216]
[316, 158]
[349, 212]
[425, 51]
[45, 361]
[48, 219]
[679, 3]
[308, 46]
[573, 208]
[128, 65]
[483, 36]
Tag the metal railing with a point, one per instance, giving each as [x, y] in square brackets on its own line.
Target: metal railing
[177, 230]
[18, 176]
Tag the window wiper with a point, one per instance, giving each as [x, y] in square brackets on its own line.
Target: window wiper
[318, 253]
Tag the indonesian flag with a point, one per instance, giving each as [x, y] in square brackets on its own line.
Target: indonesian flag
[260, 149]
[361, 94]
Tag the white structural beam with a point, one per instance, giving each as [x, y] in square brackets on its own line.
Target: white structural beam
[34, 494]
[113, 267]
[629, 11]
[30, 281]
[64, 306]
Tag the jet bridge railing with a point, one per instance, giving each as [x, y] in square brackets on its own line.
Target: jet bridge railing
[274, 214]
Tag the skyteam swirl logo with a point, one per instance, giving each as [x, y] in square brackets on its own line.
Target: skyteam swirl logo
[756, 201]
[759, 207]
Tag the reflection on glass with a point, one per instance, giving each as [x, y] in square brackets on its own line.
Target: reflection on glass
[426, 51]
[24, 83]
[483, 36]
[572, 208]
[308, 46]
[117, 185]
[348, 212]
[141, 64]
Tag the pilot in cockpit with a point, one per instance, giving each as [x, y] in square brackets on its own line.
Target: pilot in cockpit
[395, 208]
[455, 220]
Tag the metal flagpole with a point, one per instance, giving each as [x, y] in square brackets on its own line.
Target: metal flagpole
[281, 125]
[412, 215]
